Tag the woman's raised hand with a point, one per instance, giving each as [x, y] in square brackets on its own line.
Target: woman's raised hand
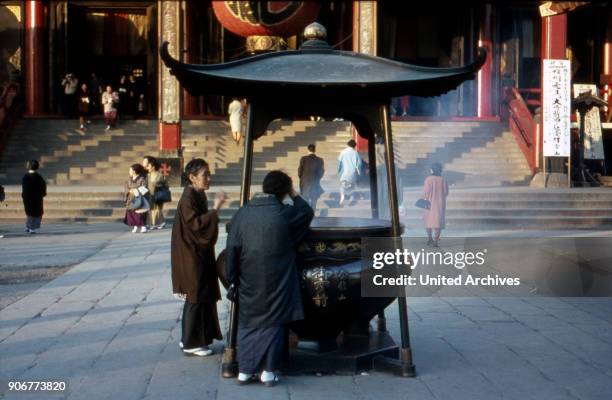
[220, 198]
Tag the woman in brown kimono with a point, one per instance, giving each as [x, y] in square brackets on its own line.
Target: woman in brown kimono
[194, 276]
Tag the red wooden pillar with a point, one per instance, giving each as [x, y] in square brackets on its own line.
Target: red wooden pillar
[35, 57]
[485, 75]
[554, 36]
[169, 136]
[607, 67]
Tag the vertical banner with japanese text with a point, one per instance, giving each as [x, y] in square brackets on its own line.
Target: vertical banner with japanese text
[556, 107]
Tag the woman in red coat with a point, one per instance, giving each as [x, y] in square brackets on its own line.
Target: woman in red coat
[435, 190]
[194, 275]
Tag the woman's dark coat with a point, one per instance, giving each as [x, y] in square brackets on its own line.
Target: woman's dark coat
[33, 189]
[194, 234]
[260, 260]
[311, 171]
[83, 106]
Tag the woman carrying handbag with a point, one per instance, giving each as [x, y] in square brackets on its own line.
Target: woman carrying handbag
[137, 205]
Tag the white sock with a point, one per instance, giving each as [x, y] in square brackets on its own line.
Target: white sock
[243, 377]
[267, 376]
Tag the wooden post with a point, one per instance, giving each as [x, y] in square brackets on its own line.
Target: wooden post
[406, 364]
[229, 365]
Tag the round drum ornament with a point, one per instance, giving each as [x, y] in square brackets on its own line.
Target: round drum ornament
[271, 18]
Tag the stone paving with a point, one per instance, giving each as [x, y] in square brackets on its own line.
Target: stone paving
[110, 327]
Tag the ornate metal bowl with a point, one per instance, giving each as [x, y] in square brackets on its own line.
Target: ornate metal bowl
[329, 264]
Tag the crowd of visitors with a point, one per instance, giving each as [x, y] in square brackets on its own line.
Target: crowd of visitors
[85, 98]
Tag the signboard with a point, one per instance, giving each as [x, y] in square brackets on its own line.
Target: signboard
[593, 143]
[556, 108]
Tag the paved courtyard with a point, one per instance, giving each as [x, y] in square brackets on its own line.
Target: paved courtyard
[110, 327]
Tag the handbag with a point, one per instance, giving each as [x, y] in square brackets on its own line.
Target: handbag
[146, 207]
[423, 203]
[162, 194]
[136, 203]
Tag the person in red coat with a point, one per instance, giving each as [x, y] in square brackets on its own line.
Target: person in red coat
[435, 189]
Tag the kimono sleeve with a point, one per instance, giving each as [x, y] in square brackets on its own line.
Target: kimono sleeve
[200, 222]
[301, 167]
[232, 251]
[300, 215]
[427, 189]
[43, 187]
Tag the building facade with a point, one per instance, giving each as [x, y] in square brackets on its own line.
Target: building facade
[44, 40]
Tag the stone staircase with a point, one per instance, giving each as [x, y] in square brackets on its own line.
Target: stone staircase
[474, 154]
[86, 171]
[514, 208]
[69, 156]
[280, 148]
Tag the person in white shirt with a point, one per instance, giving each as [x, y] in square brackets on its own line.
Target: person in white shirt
[70, 84]
[349, 169]
[109, 101]
[235, 111]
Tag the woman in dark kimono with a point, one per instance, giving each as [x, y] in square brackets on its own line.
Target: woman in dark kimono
[194, 275]
[84, 104]
[261, 264]
[33, 189]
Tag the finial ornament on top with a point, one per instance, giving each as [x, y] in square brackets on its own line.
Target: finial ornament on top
[315, 31]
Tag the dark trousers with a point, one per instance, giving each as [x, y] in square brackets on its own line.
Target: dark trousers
[200, 325]
[261, 349]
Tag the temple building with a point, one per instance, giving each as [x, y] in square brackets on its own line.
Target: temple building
[101, 41]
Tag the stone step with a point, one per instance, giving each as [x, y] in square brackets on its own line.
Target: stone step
[481, 145]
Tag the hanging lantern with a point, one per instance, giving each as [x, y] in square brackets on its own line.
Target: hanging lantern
[265, 24]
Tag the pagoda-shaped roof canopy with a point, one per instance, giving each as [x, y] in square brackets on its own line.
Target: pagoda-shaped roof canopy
[317, 71]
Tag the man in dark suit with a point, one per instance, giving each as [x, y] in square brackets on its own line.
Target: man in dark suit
[310, 172]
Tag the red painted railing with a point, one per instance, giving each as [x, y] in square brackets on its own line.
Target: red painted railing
[522, 125]
[9, 110]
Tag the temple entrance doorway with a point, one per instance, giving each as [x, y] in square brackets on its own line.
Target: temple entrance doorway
[112, 42]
